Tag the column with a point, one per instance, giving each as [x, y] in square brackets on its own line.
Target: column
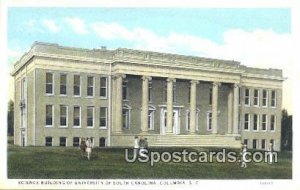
[193, 103]
[215, 107]
[118, 103]
[235, 108]
[230, 102]
[170, 82]
[145, 106]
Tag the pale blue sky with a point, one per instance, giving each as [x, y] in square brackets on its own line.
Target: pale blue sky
[205, 23]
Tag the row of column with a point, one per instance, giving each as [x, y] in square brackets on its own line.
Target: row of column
[233, 98]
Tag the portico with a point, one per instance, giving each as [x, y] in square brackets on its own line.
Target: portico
[171, 111]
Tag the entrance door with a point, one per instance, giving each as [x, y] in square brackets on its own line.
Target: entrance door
[175, 122]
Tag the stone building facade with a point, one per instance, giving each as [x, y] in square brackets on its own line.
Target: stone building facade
[63, 94]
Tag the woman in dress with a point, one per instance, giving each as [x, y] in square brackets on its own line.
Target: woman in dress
[88, 144]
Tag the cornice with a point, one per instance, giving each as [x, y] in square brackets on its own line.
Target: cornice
[147, 58]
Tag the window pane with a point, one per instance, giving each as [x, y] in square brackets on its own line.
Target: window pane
[76, 121]
[62, 141]
[75, 141]
[48, 141]
[49, 77]
[49, 115]
[77, 80]
[103, 81]
[49, 88]
[90, 81]
[63, 79]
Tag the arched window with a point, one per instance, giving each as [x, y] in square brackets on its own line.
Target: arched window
[126, 116]
[102, 142]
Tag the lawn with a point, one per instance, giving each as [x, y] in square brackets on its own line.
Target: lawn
[109, 163]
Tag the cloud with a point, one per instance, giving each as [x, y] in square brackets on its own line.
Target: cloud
[259, 48]
[77, 24]
[50, 25]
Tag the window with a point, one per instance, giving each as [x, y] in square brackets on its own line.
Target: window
[76, 87]
[90, 116]
[90, 86]
[264, 121]
[49, 83]
[246, 142]
[102, 142]
[265, 98]
[254, 144]
[247, 97]
[63, 116]
[273, 142]
[263, 144]
[150, 92]
[209, 120]
[210, 96]
[49, 115]
[125, 90]
[188, 119]
[76, 116]
[48, 141]
[256, 97]
[273, 123]
[103, 87]
[255, 122]
[126, 117]
[63, 84]
[62, 141]
[103, 117]
[273, 98]
[247, 121]
[76, 141]
[151, 119]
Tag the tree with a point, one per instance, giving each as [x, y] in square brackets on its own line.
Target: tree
[286, 131]
[10, 118]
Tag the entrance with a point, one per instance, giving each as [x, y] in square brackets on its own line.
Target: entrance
[176, 123]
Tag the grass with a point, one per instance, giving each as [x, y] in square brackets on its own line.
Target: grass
[109, 163]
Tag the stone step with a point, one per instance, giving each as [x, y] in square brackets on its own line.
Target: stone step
[197, 140]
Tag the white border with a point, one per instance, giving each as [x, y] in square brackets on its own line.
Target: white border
[236, 184]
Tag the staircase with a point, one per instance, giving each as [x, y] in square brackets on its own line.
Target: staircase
[232, 141]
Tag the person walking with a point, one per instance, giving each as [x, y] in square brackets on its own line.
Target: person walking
[270, 153]
[88, 144]
[136, 145]
[83, 146]
[243, 153]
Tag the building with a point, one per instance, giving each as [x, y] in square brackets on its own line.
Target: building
[63, 94]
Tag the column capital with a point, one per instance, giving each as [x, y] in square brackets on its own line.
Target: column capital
[115, 76]
[194, 82]
[146, 78]
[171, 80]
[236, 85]
[216, 84]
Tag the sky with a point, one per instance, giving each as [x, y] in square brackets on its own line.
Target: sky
[258, 37]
